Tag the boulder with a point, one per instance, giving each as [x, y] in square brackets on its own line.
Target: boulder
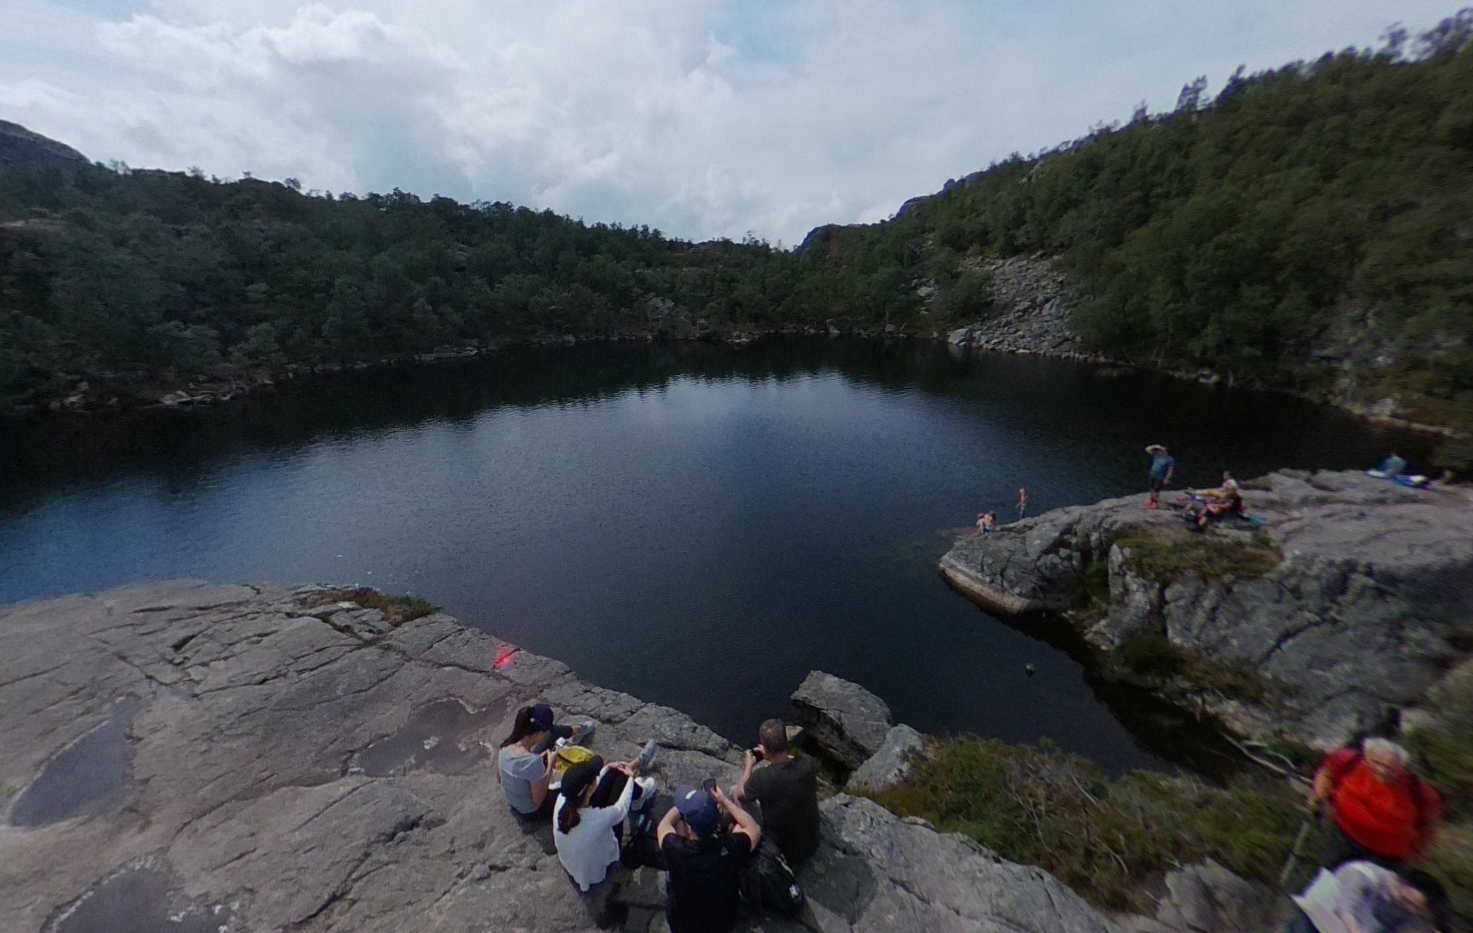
[891, 764]
[873, 872]
[845, 720]
[1207, 898]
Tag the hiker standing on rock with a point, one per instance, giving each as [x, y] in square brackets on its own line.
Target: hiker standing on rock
[1163, 468]
[1382, 812]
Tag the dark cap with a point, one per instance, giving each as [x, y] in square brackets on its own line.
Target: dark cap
[698, 810]
[577, 779]
[541, 717]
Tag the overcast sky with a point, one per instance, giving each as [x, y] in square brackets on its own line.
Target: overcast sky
[704, 118]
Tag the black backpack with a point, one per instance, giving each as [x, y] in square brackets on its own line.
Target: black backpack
[769, 884]
[641, 850]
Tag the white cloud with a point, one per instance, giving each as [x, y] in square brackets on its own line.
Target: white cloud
[703, 117]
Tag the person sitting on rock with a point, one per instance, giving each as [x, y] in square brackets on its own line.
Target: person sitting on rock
[587, 838]
[1390, 468]
[1362, 897]
[1381, 811]
[1225, 500]
[986, 521]
[704, 865]
[786, 788]
[524, 761]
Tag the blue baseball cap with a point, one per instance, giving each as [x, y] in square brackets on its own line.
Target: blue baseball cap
[542, 717]
[698, 810]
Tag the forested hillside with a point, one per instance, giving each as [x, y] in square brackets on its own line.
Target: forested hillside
[1309, 228]
[154, 277]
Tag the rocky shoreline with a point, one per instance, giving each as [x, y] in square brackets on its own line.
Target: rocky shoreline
[1352, 598]
[237, 758]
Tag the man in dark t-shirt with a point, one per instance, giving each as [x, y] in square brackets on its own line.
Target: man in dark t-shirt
[704, 865]
[787, 790]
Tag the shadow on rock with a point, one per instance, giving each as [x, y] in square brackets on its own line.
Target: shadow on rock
[140, 899]
[91, 777]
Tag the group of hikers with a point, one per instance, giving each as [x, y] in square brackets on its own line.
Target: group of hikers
[715, 851]
[707, 840]
[1200, 507]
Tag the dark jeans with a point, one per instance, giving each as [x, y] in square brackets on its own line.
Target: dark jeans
[606, 794]
[1300, 923]
[1344, 849]
[557, 732]
[541, 815]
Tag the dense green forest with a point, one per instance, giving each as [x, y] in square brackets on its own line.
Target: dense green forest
[1309, 227]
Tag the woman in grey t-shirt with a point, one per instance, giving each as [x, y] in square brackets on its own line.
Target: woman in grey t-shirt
[524, 762]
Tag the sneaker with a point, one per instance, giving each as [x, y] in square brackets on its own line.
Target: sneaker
[583, 733]
[1152, 505]
[646, 755]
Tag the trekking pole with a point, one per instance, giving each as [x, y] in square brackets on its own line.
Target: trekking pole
[1292, 861]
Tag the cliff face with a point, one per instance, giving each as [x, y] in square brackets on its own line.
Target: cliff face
[1354, 596]
[207, 758]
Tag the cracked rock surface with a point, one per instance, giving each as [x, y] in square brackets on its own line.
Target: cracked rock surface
[1369, 605]
[246, 806]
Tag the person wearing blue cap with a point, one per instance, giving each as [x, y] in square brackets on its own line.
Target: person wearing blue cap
[524, 761]
[704, 865]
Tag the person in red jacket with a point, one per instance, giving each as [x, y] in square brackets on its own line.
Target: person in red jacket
[1382, 812]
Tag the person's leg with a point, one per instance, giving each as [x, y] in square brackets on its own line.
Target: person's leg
[608, 789]
[1300, 923]
[1343, 849]
[555, 733]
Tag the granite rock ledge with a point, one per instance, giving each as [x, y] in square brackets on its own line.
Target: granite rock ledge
[1368, 601]
[243, 797]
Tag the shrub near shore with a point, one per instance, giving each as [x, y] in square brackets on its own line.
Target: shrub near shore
[1109, 839]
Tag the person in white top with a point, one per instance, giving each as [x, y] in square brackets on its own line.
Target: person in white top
[587, 838]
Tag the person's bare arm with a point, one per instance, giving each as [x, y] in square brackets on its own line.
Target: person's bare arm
[749, 761]
[666, 827]
[745, 824]
[539, 786]
[1323, 785]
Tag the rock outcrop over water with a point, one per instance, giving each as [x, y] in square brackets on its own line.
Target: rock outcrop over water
[271, 761]
[1354, 596]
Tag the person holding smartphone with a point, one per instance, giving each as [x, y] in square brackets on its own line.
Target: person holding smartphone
[786, 788]
[704, 863]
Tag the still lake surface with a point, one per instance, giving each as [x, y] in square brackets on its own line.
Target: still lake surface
[698, 525]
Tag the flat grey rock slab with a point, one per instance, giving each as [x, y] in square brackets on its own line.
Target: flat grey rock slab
[290, 765]
[844, 719]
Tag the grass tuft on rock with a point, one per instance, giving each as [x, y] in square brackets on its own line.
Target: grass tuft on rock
[1151, 654]
[1108, 839]
[1169, 555]
[397, 610]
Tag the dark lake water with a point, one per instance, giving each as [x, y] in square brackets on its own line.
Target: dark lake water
[697, 525]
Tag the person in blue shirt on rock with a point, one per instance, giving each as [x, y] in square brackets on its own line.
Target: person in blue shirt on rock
[1390, 468]
[1163, 468]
